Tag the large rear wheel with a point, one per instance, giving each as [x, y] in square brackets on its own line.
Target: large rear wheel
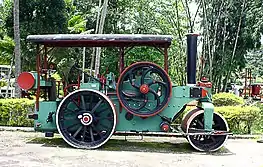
[86, 119]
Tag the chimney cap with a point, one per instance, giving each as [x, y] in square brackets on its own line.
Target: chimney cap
[192, 34]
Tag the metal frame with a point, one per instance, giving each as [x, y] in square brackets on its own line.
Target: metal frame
[124, 41]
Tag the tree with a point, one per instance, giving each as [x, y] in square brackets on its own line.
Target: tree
[149, 17]
[36, 17]
[17, 51]
[6, 42]
[7, 46]
[228, 33]
[100, 31]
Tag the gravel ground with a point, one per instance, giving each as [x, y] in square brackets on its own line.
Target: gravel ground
[27, 149]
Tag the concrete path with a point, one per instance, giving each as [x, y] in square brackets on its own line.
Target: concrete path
[28, 149]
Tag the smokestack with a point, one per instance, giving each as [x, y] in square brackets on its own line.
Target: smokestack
[191, 58]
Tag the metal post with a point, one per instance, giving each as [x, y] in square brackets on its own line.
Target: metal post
[245, 84]
[250, 80]
[45, 58]
[38, 78]
[121, 68]
[121, 57]
[166, 59]
[83, 64]
[45, 70]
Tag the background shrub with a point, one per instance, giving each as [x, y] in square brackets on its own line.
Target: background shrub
[258, 125]
[14, 112]
[227, 99]
[240, 119]
[3, 83]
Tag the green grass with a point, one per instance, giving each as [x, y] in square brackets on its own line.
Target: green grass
[49, 142]
[135, 146]
[122, 145]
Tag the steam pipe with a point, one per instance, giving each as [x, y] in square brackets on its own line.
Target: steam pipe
[191, 57]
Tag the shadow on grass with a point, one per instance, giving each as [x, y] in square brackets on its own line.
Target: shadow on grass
[134, 146]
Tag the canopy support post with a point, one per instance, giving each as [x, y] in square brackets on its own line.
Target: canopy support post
[38, 78]
[83, 64]
[121, 59]
[166, 59]
[121, 68]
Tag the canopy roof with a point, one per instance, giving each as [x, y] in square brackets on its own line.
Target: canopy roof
[101, 40]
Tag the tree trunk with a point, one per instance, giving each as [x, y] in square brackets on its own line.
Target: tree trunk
[223, 51]
[215, 38]
[206, 27]
[100, 31]
[188, 15]
[17, 47]
[235, 46]
[96, 31]
[180, 42]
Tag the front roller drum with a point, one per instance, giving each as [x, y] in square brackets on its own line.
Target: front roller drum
[202, 142]
[86, 119]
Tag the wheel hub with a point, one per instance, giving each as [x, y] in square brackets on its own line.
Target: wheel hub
[144, 89]
[86, 118]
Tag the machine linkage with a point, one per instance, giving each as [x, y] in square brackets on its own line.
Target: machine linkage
[207, 133]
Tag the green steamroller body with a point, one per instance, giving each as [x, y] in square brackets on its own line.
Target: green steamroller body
[142, 99]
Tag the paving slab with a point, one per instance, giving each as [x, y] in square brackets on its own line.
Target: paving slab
[31, 149]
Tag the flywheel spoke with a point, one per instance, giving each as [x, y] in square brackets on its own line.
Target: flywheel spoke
[71, 126]
[83, 102]
[77, 132]
[84, 133]
[156, 96]
[148, 69]
[91, 134]
[96, 106]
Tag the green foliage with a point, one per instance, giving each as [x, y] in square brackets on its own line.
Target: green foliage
[36, 17]
[258, 126]
[77, 24]
[255, 62]
[56, 76]
[231, 29]
[14, 112]
[241, 119]
[3, 83]
[227, 99]
[7, 44]
[6, 50]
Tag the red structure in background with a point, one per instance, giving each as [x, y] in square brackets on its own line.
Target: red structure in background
[254, 89]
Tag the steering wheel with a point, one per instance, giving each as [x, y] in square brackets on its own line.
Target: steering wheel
[144, 89]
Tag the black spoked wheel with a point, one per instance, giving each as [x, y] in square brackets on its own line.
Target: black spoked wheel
[86, 119]
[206, 142]
[144, 89]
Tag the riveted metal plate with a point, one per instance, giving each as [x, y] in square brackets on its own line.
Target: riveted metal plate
[195, 92]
